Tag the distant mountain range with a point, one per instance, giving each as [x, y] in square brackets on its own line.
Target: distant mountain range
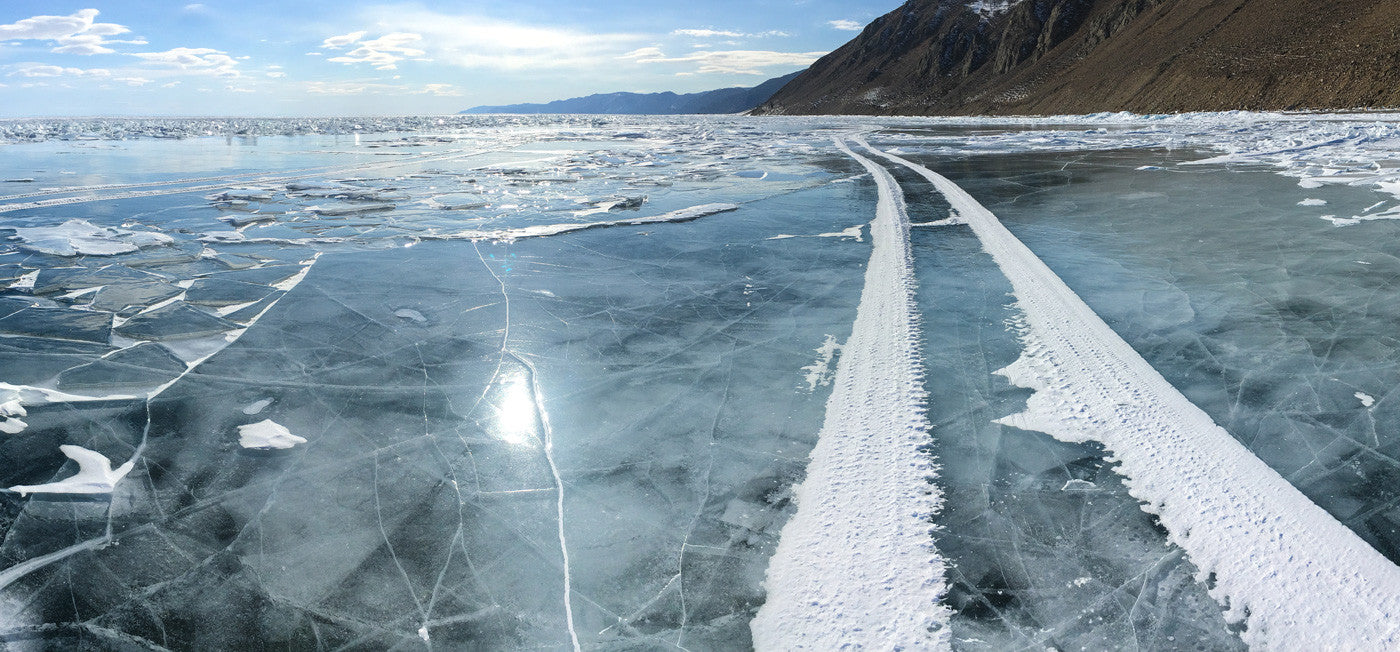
[932, 57]
[724, 100]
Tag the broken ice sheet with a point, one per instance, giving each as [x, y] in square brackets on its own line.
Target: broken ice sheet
[428, 381]
[657, 392]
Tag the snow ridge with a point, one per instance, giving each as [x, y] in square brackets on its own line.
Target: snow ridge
[1296, 577]
[856, 564]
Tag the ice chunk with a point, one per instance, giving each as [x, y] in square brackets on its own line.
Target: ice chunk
[334, 210]
[179, 251]
[12, 305]
[81, 237]
[95, 475]
[119, 297]
[271, 275]
[59, 323]
[256, 407]
[13, 408]
[267, 435]
[143, 364]
[243, 194]
[217, 291]
[67, 279]
[1313, 202]
[176, 320]
[410, 314]
[614, 204]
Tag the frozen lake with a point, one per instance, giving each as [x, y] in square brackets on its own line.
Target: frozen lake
[556, 383]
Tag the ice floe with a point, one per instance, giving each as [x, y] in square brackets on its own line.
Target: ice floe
[83, 238]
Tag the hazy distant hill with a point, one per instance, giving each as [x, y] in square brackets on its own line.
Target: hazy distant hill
[1084, 56]
[724, 100]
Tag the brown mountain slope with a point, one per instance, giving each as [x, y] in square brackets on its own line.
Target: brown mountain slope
[932, 57]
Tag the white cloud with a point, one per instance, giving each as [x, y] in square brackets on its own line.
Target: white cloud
[346, 87]
[198, 61]
[275, 74]
[384, 53]
[46, 70]
[366, 87]
[716, 33]
[478, 42]
[336, 42]
[132, 81]
[707, 33]
[439, 90]
[740, 62]
[846, 25]
[75, 33]
[645, 55]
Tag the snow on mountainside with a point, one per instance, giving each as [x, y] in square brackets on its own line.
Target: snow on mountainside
[1018, 57]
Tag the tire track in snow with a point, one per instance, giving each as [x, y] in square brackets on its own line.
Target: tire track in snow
[856, 566]
[1298, 578]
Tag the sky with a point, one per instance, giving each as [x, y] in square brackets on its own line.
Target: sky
[353, 57]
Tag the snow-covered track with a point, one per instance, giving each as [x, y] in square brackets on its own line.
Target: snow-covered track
[856, 566]
[1297, 578]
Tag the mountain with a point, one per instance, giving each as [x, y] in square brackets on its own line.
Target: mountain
[724, 100]
[1006, 57]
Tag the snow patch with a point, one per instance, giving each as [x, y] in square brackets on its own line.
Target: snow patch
[95, 475]
[1366, 399]
[818, 374]
[1313, 202]
[256, 407]
[267, 435]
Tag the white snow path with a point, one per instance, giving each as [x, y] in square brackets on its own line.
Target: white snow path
[856, 566]
[1298, 577]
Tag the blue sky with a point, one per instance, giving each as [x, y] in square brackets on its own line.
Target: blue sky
[347, 57]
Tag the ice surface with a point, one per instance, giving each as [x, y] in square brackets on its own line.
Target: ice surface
[524, 431]
[145, 364]
[175, 320]
[59, 323]
[1268, 546]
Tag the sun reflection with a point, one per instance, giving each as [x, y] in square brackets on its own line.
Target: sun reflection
[515, 414]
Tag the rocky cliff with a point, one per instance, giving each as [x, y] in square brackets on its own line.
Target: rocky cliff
[1004, 57]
